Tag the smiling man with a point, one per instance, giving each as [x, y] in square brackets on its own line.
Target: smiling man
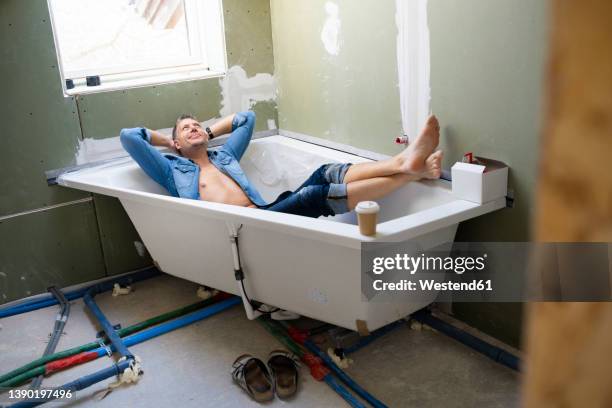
[196, 172]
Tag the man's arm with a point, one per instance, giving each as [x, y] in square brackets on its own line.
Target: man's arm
[159, 139]
[241, 125]
[138, 143]
[223, 126]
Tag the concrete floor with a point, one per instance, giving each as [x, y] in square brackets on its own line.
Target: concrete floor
[190, 366]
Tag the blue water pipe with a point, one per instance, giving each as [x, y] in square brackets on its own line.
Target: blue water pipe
[364, 341]
[343, 376]
[180, 322]
[164, 328]
[343, 392]
[115, 340]
[424, 316]
[107, 285]
[58, 328]
[81, 383]
[493, 352]
[110, 332]
[134, 339]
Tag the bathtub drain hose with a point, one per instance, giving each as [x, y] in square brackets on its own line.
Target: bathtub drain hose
[239, 275]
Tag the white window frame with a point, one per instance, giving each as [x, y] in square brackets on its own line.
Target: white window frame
[205, 25]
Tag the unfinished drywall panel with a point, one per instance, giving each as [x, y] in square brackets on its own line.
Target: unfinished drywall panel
[121, 245]
[266, 115]
[248, 35]
[336, 69]
[103, 115]
[487, 66]
[503, 321]
[54, 247]
[40, 127]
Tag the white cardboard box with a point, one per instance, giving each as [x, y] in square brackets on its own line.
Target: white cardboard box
[481, 182]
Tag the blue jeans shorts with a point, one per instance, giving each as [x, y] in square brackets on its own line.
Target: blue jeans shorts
[323, 193]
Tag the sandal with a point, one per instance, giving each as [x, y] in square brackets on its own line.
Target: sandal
[253, 376]
[284, 369]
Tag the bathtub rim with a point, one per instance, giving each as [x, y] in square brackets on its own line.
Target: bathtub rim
[397, 229]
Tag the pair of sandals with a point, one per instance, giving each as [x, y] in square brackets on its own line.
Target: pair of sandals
[260, 383]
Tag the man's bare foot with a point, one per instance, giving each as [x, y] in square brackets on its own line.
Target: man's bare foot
[433, 166]
[412, 159]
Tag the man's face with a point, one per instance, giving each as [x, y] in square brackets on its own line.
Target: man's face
[189, 133]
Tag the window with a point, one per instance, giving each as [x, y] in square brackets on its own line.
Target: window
[115, 44]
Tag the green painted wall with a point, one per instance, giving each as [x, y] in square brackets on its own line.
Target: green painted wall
[487, 60]
[248, 35]
[117, 237]
[60, 247]
[487, 66]
[39, 125]
[41, 131]
[351, 97]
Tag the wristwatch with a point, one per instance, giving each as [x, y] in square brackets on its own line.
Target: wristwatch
[210, 133]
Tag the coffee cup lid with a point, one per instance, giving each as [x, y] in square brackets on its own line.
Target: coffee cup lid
[367, 207]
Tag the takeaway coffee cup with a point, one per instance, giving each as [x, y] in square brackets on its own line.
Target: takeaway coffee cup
[367, 214]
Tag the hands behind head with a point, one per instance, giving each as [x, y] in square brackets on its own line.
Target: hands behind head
[172, 147]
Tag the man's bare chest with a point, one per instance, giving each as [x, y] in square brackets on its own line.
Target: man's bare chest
[218, 187]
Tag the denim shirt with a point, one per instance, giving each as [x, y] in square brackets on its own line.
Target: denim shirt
[179, 175]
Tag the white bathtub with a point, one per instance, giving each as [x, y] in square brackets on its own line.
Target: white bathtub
[309, 266]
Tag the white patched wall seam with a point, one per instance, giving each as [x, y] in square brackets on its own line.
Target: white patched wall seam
[413, 64]
[330, 34]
